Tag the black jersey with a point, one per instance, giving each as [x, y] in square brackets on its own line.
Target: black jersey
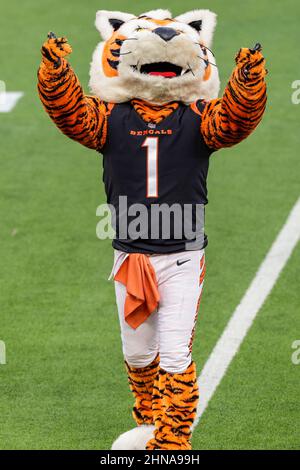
[154, 165]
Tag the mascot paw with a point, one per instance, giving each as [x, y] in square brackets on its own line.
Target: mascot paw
[251, 62]
[135, 439]
[54, 49]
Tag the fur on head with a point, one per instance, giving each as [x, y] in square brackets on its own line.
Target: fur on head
[155, 57]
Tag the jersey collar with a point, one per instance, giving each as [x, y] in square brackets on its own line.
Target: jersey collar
[153, 113]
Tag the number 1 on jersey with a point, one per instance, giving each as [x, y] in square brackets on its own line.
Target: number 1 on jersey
[152, 166]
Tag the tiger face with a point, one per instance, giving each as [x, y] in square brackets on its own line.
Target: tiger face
[155, 57]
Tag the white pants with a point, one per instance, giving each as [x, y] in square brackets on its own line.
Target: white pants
[169, 330]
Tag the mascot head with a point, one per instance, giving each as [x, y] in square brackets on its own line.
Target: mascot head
[155, 57]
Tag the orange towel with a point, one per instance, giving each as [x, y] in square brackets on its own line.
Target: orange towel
[142, 298]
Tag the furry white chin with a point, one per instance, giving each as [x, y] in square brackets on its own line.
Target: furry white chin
[159, 89]
[155, 89]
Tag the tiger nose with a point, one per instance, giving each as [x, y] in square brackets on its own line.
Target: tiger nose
[165, 33]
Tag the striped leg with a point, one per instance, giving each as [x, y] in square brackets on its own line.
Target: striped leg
[175, 401]
[141, 381]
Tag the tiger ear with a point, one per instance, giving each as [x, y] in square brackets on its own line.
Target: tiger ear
[109, 21]
[203, 21]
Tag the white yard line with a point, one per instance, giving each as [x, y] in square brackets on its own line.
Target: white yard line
[8, 100]
[245, 313]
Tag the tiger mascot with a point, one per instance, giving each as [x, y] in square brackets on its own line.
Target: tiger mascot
[155, 116]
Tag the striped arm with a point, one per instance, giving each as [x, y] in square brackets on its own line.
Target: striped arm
[229, 120]
[80, 117]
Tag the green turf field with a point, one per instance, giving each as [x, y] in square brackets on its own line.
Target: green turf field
[64, 386]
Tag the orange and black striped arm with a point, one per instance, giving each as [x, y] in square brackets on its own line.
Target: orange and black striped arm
[80, 117]
[229, 120]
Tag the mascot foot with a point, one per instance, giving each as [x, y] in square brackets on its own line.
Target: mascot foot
[135, 439]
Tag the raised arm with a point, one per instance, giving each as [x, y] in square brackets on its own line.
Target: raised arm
[229, 120]
[82, 118]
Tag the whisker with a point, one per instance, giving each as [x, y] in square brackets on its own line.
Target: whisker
[207, 61]
[119, 42]
[191, 69]
[205, 47]
[125, 53]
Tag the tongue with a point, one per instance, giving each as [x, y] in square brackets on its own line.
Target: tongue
[164, 74]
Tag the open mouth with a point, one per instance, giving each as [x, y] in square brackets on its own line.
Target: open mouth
[163, 69]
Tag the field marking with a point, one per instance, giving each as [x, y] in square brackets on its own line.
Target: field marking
[2, 353]
[9, 99]
[239, 324]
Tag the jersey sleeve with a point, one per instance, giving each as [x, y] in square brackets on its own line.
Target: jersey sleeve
[82, 118]
[228, 120]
